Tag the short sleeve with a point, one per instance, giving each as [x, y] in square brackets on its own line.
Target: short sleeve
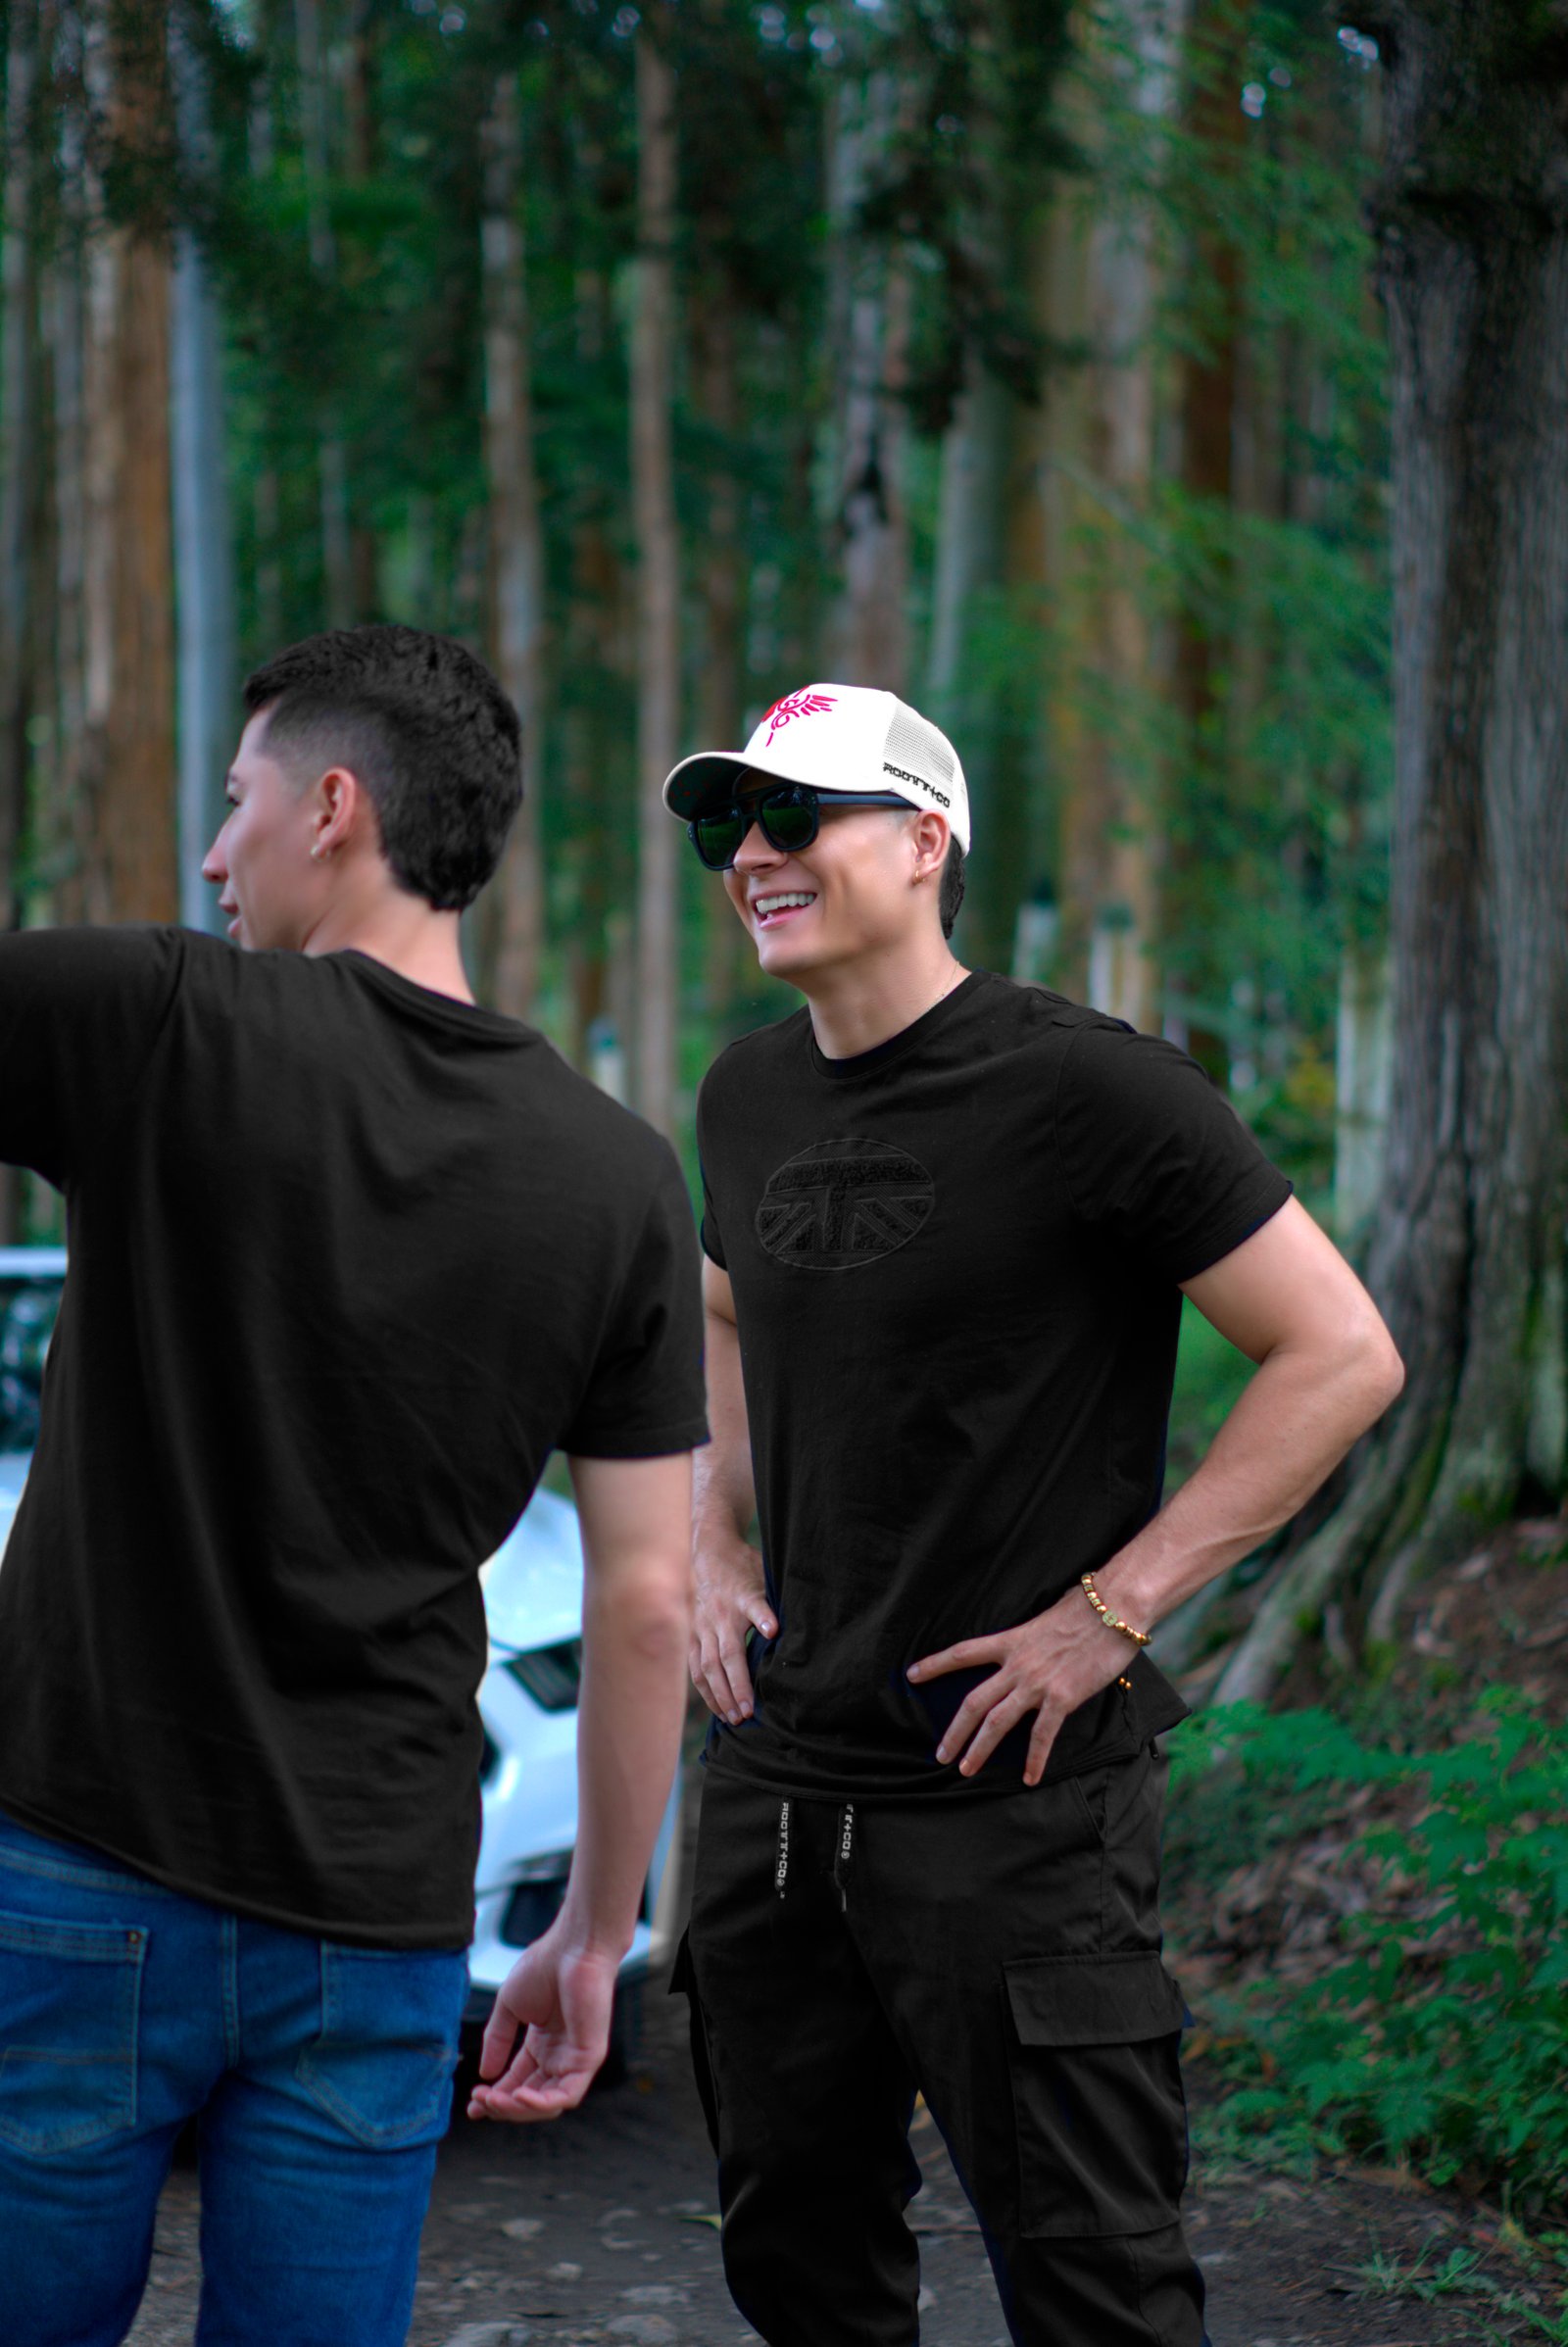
[1155, 1157]
[80, 1013]
[713, 1241]
[645, 1394]
[712, 1236]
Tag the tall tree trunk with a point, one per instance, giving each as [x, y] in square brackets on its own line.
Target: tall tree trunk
[202, 547]
[875, 315]
[720, 583]
[512, 907]
[131, 864]
[658, 579]
[264, 501]
[337, 545]
[1207, 397]
[597, 662]
[65, 314]
[18, 440]
[1465, 1257]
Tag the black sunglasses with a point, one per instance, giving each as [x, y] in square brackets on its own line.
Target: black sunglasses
[790, 817]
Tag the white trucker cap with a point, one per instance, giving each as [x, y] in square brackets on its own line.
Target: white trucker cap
[836, 738]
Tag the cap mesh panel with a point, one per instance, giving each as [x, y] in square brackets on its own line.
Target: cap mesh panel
[914, 743]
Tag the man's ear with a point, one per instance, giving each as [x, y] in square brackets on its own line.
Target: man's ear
[343, 803]
[930, 835]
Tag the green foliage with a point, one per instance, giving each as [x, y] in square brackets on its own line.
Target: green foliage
[1438, 2033]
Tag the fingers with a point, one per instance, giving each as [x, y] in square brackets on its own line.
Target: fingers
[718, 1665]
[968, 1716]
[760, 1615]
[1040, 1744]
[998, 1722]
[500, 2037]
[966, 1653]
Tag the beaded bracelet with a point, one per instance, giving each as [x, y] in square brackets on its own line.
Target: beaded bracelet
[1140, 1638]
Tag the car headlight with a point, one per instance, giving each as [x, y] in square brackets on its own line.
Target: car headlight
[551, 1675]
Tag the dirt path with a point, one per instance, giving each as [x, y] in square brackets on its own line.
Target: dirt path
[598, 2229]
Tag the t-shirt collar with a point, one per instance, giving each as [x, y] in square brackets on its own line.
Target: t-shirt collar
[908, 1039]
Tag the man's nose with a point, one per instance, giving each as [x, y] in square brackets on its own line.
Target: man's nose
[214, 866]
[757, 852]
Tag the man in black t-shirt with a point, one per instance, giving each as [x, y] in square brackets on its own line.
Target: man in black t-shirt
[948, 1223]
[349, 1256]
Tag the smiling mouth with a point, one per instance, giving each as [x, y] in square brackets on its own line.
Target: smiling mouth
[781, 906]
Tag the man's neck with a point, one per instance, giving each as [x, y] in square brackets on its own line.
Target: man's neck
[404, 935]
[856, 1005]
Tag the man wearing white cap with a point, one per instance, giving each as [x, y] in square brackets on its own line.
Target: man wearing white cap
[948, 1221]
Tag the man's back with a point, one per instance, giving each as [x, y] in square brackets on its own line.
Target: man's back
[349, 1258]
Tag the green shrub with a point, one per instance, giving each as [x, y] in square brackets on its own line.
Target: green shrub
[1438, 2032]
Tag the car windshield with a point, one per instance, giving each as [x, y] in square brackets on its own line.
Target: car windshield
[27, 1308]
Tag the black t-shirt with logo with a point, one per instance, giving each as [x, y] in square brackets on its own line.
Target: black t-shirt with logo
[955, 1263]
[347, 1260]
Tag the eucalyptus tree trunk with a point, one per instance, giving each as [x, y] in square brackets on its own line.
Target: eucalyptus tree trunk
[202, 547]
[720, 708]
[337, 544]
[1471, 221]
[18, 438]
[511, 910]
[128, 805]
[874, 314]
[658, 579]
[1215, 49]
[65, 315]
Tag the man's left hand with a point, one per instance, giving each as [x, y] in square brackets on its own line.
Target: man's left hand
[1048, 1666]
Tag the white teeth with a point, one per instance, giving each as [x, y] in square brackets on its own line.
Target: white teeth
[768, 904]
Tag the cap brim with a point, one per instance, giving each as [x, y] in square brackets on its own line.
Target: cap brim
[697, 779]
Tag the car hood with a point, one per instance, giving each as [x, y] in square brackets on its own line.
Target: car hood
[533, 1584]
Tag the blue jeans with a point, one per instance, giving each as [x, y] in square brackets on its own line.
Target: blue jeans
[320, 2077]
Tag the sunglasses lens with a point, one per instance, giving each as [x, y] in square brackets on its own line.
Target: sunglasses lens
[717, 836]
[790, 823]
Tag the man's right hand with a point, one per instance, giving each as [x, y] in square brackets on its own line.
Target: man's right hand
[730, 1600]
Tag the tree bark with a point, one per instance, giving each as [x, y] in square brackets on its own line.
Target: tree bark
[1471, 220]
[17, 441]
[721, 586]
[202, 545]
[874, 321]
[512, 921]
[337, 542]
[128, 805]
[1206, 400]
[658, 579]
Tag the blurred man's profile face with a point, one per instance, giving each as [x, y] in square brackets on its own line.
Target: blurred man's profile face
[261, 859]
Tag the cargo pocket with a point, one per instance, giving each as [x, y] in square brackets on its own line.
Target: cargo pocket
[69, 1998]
[1096, 2093]
[382, 2065]
[683, 1982]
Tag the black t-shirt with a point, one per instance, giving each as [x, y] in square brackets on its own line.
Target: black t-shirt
[955, 1261]
[347, 1259]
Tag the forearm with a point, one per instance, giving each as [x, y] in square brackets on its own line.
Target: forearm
[628, 1741]
[724, 1493]
[1295, 1420]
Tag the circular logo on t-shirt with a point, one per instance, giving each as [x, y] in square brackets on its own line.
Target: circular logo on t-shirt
[843, 1203]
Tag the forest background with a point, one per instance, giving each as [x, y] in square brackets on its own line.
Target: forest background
[1167, 397]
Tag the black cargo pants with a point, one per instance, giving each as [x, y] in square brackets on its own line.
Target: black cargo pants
[1002, 1956]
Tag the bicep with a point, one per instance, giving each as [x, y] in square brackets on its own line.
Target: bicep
[1285, 1285]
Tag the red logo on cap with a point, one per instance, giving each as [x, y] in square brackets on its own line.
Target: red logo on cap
[795, 705]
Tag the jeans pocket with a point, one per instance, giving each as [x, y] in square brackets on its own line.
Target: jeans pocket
[1097, 2089]
[69, 1998]
[382, 2065]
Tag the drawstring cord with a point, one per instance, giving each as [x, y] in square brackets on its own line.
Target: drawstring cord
[843, 1851]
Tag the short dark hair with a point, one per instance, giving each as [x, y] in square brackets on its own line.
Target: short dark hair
[424, 726]
[951, 896]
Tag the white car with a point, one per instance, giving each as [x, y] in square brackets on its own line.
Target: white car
[527, 1698]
